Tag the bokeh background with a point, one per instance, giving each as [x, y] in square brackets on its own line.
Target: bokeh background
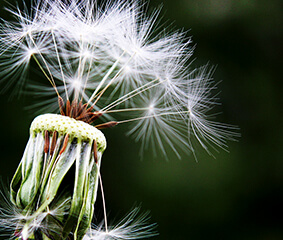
[236, 196]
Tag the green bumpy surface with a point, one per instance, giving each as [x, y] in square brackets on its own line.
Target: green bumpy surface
[66, 125]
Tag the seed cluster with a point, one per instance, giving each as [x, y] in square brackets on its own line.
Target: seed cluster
[66, 125]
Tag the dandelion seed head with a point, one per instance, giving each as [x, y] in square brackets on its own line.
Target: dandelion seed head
[151, 108]
[117, 59]
[85, 53]
[127, 69]
[23, 224]
[110, 62]
[132, 226]
[76, 84]
[26, 31]
[31, 52]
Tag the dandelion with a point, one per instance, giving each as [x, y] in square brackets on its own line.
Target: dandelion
[104, 66]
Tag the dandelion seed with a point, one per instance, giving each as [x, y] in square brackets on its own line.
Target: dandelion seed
[108, 62]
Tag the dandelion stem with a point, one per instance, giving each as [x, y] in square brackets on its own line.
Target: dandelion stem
[60, 65]
[105, 78]
[80, 67]
[88, 72]
[125, 96]
[152, 116]
[132, 94]
[113, 79]
[127, 110]
[48, 69]
[103, 201]
[45, 74]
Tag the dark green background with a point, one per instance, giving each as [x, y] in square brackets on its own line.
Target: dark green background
[238, 195]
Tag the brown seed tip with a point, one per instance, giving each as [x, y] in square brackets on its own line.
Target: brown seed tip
[95, 151]
[65, 143]
[61, 105]
[68, 108]
[53, 142]
[106, 125]
[46, 143]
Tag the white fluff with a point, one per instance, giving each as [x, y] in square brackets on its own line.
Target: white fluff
[113, 57]
[119, 60]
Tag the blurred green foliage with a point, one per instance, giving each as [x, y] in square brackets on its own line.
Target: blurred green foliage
[239, 194]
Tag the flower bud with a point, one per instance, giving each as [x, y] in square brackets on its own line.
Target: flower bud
[56, 182]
